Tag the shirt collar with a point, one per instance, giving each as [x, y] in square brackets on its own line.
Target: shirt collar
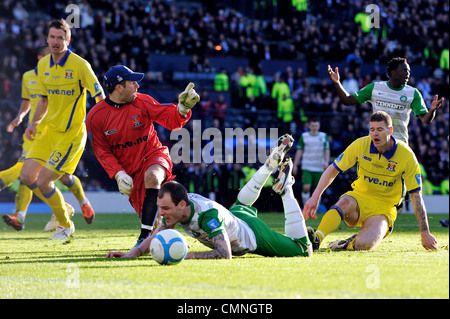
[192, 214]
[63, 60]
[388, 83]
[112, 103]
[388, 154]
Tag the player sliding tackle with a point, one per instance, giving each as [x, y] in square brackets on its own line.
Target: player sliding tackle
[237, 230]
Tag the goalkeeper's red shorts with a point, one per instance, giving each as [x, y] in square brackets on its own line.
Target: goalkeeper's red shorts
[136, 197]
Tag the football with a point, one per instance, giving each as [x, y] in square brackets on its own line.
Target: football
[168, 247]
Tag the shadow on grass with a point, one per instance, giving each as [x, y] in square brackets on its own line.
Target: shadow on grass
[37, 222]
[80, 260]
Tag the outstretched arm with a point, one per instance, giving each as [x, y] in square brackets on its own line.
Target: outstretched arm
[222, 249]
[298, 156]
[24, 109]
[344, 96]
[428, 240]
[325, 180]
[142, 249]
[187, 99]
[39, 114]
[427, 118]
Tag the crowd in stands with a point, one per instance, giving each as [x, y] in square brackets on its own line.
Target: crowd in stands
[128, 32]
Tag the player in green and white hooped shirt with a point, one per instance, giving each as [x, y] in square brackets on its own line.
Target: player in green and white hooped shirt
[394, 97]
[313, 149]
[237, 230]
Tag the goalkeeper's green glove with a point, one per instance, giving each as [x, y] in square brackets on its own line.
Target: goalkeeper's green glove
[187, 99]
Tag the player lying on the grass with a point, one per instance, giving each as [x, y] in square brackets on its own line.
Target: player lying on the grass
[383, 163]
[238, 230]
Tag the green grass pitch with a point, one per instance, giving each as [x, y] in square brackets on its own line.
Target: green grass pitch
[31, 266]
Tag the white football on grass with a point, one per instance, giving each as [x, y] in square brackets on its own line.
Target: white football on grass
[168, 247]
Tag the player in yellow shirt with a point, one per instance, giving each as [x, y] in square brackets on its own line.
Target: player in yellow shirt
[30, 96]
[382, 164]
[64, 78]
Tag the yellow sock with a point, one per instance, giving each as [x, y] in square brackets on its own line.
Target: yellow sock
[53, 199]
[330, 222]
[56, 202]
[36, 191]
[350, 245]
[23, 198]
[76, 188]
[8, 176]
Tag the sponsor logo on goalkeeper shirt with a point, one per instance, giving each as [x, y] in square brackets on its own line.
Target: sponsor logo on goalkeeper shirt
[110, 132]
[129, 143]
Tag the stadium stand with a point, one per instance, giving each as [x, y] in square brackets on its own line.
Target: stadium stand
[175, 42]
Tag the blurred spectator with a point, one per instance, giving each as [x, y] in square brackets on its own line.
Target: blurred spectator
[443, 62]
[204, 109]
[285, 113]
[113, 32]
[260, 89]
[194, 64]
[19, 12]
[220, 107]
[247, 83]
[280, 89]
[350, 84]
[210, 186]
[354, 60]
[221, 81]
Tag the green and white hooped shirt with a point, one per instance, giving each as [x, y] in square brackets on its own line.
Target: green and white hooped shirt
[313, 147]
[209, 218]
[398, 103]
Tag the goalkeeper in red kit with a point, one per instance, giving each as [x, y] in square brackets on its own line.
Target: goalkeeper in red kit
[120, 129]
